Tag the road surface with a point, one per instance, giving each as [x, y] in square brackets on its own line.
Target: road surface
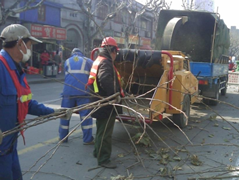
[208, 147]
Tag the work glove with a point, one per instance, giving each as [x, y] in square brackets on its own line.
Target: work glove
[129, 95]
[118, 99]
[1, 137]
[68, 112]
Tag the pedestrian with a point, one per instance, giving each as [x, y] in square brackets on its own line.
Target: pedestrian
[77, 70]
[45, 57]
[57, 60]
[15, 95]
[106, 82]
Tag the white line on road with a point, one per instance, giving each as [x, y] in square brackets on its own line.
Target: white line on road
[54, 100]
[45, 143]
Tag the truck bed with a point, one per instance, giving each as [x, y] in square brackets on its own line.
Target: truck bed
[192, 33]
[208, 69]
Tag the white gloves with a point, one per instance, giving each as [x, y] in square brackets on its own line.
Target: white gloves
[118, 99]
[68, 112]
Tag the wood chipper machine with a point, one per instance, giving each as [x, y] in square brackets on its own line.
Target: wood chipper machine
[161, 82]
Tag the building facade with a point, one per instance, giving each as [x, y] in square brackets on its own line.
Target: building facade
[82, 31]
[73, 20]
[62, 25]
[44, 23]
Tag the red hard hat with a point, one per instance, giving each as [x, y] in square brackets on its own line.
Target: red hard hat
[109, 41]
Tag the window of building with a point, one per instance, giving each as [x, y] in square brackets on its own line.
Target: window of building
[102, 11]
[42, 13]
[144, 24]
[118, 18]
[125, 17]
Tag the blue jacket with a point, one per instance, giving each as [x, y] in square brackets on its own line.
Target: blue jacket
[8, 103]
[77, 71]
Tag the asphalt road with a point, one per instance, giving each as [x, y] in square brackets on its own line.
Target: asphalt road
[206, 149]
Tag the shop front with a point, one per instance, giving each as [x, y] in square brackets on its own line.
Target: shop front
[120, 41]
[145, 43]
[52, 38]
[44, 23]
[133, 42]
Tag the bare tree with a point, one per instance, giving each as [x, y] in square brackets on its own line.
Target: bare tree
[196, 4]
[116, 8]
[152, 6]
[15, 9]
[234, 44]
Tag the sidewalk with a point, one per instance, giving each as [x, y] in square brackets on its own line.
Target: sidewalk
[39, 78]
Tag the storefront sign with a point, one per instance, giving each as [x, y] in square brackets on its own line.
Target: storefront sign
[145, 41]
[133, 39]
[49, 32]
[119, 40]
[233, 78]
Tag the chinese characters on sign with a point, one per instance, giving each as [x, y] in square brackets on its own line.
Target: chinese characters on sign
[48, 32]
[233, 78]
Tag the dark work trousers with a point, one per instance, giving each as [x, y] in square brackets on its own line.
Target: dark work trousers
[103, 139]
[10, 166]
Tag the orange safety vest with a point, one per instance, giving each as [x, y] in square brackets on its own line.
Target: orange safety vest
[24, 95]
[93, 75]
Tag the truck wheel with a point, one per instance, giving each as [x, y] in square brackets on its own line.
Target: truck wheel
[214, 103]
[224, 91]
[206, 101]
[180, 119]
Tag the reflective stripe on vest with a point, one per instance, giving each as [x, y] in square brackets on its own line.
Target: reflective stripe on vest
[24, 95]
[93, 75]
[75, 71]
[119, 79]
[25, 98]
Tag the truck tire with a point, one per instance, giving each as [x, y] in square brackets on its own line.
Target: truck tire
[214, 103]
[206, 101]
[180, 119]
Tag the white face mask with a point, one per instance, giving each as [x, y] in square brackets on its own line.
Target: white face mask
[26, 56]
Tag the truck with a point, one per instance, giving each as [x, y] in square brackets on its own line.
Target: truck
[204, 38]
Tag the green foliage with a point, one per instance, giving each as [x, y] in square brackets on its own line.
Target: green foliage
[195, 161]
[145, 141]
[119, 177]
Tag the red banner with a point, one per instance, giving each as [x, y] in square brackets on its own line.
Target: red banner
[49, 32]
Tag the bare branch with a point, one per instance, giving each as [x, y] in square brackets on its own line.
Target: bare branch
[12, 10]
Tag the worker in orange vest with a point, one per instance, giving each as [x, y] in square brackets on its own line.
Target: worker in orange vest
[106, 81]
